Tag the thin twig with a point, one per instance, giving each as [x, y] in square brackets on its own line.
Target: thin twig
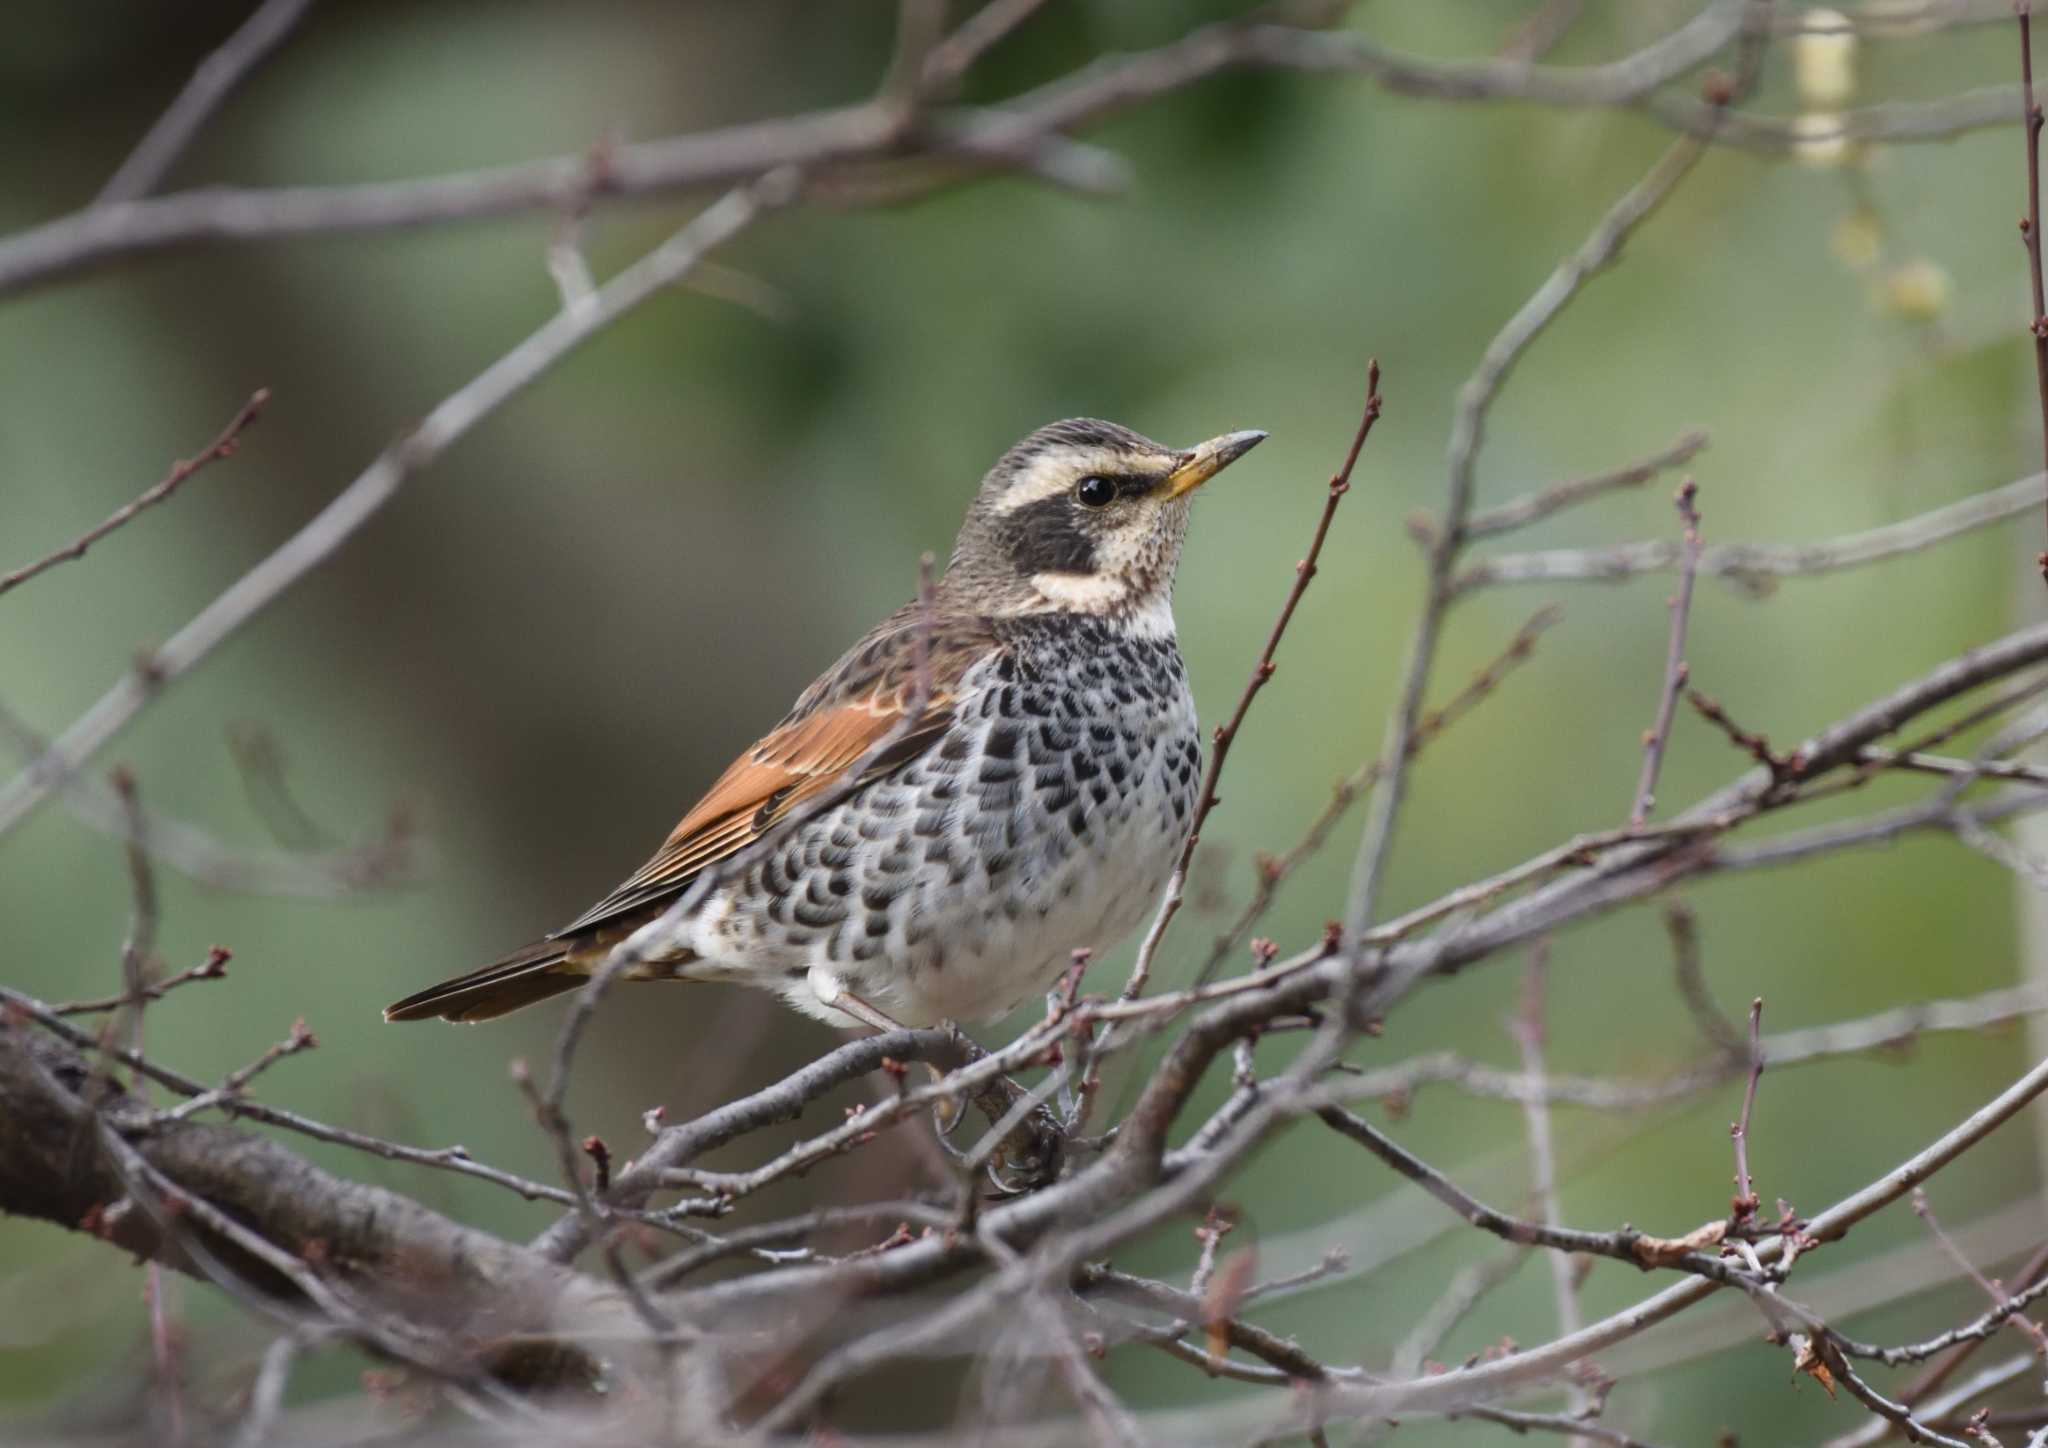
[2030, 224]
[138, 950]
[236, 1081]
[1886, 1032]
[681, 1144]
[547, 1113]
[223, 445]
[1970, 1334]
[1464, 1293]
[1527, 1028]
[1262, 670]
[1941, 1409]
[2000, 1301]
[449, 421]
[1756, 566]
[1916, 1429]
[1742, 1210]
[1756, 746]
[266, 1394]
[980, 32]
[448, 1158]
[1683, 927]
[1483, 1380]
[1019, 132]
[1570, 1424]
[212, 83]
[1273, 870]
[192, 852]
[1467, 433]
[1534, 507]
[213, 967]
[1676, 670]
[1693, 1252]
[2033, 1274]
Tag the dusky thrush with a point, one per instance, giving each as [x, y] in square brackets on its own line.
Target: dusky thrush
[1034, 805]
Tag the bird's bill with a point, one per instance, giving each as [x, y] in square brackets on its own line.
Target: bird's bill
[1208, 459]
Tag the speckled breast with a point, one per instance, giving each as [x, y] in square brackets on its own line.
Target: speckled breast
[1047, 818]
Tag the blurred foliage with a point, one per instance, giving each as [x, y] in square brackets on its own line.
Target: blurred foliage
[548, 643]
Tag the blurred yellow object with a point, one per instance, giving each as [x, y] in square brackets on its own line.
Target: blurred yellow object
[1918, 289]
[1824, 59]
[1858, 239]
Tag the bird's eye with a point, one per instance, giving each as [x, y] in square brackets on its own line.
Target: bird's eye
[1095, 492]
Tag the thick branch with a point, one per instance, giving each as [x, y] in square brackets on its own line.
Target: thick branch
[385, 1253]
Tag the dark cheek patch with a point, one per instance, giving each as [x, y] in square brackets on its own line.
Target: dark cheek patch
[1047, 537]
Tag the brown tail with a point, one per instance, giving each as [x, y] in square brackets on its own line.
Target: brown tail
[518, 980]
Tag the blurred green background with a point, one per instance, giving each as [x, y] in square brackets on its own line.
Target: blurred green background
[554, 638]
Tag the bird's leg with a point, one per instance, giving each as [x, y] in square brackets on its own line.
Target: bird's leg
[1029, 1158]
[832, 992]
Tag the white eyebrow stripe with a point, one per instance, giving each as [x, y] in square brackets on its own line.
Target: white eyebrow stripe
[1045, 481]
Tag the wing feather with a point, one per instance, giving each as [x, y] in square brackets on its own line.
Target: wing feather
[836, 724]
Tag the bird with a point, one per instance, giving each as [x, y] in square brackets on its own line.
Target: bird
[1000, 773]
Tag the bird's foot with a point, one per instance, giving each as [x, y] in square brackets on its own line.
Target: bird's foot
[1028, 1155]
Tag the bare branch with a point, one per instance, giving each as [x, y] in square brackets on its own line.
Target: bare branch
[1527, 1028]
[1273, 871]
[1021, 132]
[1534, 507]
[1683, 927]
[454, 417]
[1941, 1409]
[236, 1081]
[981, 32]
[1464, 1293]
[1886, 1031]
[372, 1243]
[1754, 565]
[2030, 224]
[213, 967]
[1742, 1210]
[1916, 1429]
[324, 875]
[266, 1396]
[212, 83]
[450, 1158]
[1570, 1424]
[2001, 1304]
[1262, 670]
[678, 1145]
[1467, 434]
[1676, 670]
[223, 445]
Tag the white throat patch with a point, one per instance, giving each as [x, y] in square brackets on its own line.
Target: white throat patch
[1083, 592]
[1103, 594]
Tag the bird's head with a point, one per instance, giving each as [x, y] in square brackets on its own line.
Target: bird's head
[1083, 517]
